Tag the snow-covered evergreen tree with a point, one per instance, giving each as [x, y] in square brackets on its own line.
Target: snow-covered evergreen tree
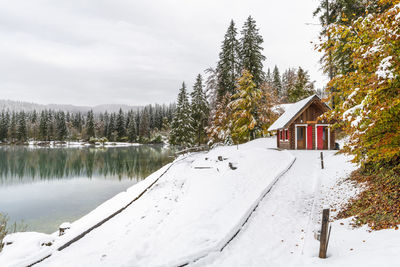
[111, 128]
[22, 131]
[211, 87]
[277, 82]
[144, 126]
[120, 126]
[50, 126]
[302, 88]
[228, 67]
[199, 111]
[251, 51]
[182, 131]
[4, 126]
[289, 77]
[43, 126]
[62, 130]
[90, 125]
[132, 128]
[12, 131]
[268, 77]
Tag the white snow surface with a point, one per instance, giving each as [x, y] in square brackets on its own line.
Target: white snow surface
[384, 69]
[281, 107]
[198, 205]
[290, 112]
[194, 209]
[281, 231]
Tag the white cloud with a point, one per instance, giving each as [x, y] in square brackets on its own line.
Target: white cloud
[135, 52]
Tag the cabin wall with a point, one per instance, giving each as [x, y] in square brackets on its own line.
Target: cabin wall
[333, 139]
[292, 137]
[309, 117]
[283, 144]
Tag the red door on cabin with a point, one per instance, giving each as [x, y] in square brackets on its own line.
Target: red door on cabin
[309, 137]
[320, 135]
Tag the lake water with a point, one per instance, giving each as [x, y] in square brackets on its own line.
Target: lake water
[44, 187]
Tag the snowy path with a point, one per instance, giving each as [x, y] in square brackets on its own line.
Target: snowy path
[275, 234]
[189, 213]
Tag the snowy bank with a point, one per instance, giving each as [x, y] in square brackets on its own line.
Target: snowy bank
[194, 209]
[27, 247]
[281, 230]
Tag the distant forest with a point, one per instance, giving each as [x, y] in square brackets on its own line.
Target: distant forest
[141, 125]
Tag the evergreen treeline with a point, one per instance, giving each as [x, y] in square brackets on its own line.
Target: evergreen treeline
[235, 103]
[133, 126]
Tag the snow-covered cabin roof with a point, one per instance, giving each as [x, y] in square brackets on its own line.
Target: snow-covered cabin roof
[280, 108]
[290, 112]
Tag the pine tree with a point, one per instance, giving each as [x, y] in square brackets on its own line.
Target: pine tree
[245, 105]
[43, 126]
[199, 110]
[277, 82]
[62, 130]
[34, 117]
[228, 67]
[268, 78]
[50, 126]
[90, 125]
[289, 77]
[22, 130]
[12, 131]
[211, 89]
[144, 126]
[251, 51]
[111, 128]
[120, 127]
[181, 129]
[132, 129]
[4, 126]
[106, 124]
[302, 88]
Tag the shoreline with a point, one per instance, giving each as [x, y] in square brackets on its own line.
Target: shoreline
[74, 144]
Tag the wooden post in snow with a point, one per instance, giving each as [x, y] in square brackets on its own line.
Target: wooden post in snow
[324, 239]
[322, 160]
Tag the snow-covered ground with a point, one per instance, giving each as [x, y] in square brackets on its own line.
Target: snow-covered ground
[281, 231]
[193, 212]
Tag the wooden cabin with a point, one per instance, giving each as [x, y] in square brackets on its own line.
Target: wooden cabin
[299, 127]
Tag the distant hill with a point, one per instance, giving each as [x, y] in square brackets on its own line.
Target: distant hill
[27, 106]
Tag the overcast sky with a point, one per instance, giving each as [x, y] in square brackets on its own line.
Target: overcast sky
[89, 52]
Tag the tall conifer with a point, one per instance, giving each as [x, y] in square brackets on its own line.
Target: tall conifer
[181, 129]
[251, 51]
[228, 67]
[277, 82]
[90, 125]
[199, 110]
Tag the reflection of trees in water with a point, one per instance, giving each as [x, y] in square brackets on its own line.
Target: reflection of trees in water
[27, 164]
